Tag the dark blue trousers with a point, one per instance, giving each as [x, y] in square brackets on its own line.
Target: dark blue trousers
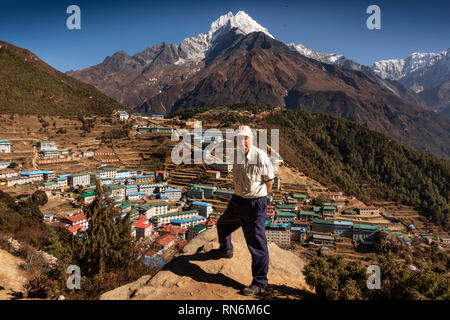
[250, 214]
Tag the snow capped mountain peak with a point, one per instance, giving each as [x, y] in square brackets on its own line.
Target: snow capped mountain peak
[242, 21]
[195, 48]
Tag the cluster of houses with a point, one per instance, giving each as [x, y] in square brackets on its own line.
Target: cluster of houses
[154, 208]
[286, 223]
[318, 225]
[144, 129]
[48, 150]
[123, 115]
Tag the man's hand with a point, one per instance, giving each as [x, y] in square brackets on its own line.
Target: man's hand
[269, 185]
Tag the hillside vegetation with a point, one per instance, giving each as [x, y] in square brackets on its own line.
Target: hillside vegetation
[30, 86]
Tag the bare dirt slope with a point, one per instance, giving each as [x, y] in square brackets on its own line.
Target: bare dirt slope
[193, 276]
[12, 277]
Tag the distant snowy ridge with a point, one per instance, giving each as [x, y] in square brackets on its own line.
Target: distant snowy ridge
[317, 55]
[395, 69]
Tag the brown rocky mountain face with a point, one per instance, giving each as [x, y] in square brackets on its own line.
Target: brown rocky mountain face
[133, 80]
[256, 68]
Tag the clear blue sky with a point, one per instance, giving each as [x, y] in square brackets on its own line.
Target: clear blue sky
[331, 26]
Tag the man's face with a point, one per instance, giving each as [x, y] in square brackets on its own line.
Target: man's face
[244, 142]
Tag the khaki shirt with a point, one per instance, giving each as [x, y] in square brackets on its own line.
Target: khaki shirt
[251, 176]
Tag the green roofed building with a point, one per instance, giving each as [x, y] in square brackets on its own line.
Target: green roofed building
[223, 192]
[195, 230]
[328, 211]
[87, 196]
[321, 225]
[285, 216]
[308, 215]
[205, 186]
[366, 227]
[299, 196]
[166, 218]
[52, 185]
[126, 206]
[286, 207]
[151, 209]
[364, 232]
[200, 191]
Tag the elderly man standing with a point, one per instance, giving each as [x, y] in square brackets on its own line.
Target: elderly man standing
[253, 180]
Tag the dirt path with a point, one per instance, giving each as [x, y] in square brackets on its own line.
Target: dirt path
[12, 277]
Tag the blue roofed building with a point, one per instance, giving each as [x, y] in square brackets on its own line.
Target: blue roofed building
[5, 146]
[172, 194]
[189, 222]
[161, 219]
[136, 196]
[4, 165]
[204, 208]
[37, 175]
[131, 189]
[343, 228]
[337, 227]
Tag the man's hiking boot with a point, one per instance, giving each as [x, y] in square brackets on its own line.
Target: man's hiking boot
[219, 253]
[252, 290]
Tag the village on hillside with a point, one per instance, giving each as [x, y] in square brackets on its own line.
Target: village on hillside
[169, 204]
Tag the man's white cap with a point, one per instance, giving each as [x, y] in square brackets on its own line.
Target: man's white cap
[244, 131]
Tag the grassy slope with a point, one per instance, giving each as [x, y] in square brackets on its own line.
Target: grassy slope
[29, 86]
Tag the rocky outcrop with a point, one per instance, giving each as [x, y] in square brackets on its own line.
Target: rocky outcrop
[193, 275]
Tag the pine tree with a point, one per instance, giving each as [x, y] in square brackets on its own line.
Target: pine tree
[98, 246]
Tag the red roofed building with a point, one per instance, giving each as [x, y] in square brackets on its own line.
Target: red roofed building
[162, 173]
[76, 220]
[143, 228]
[339, 203]
[368, 210]
[213, 173]
[74, 229]
[211, 222]
[173, 230]
[47, 191]
[334, 195]
[181, 244]
[271, 211]
[164, 242]
[352, 201]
